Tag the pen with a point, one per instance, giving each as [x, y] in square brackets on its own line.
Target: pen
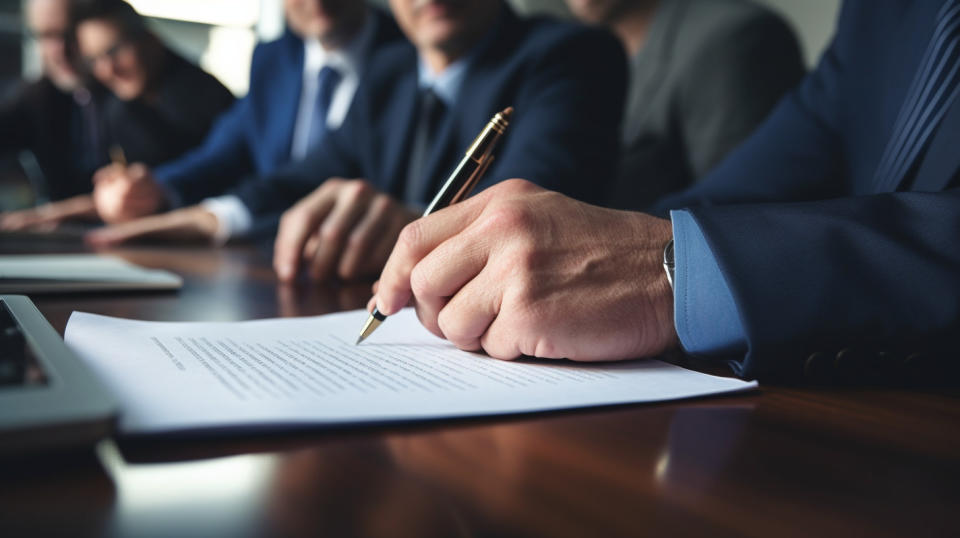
[458, 186]
[117, 156]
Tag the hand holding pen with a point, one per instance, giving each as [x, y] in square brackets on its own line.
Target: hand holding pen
[458, 186]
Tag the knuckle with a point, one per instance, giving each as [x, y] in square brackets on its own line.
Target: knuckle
[509, 219]
[347, 271]
[356, 189]
[516, 185]
[331, 232]
[356, 240]
[452, 329]
[411, 236]
[420, 282]
[290, 218]
[381, 202]
[546, 348]
[526, 297]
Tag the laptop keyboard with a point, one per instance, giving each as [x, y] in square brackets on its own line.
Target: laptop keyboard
[18, 365]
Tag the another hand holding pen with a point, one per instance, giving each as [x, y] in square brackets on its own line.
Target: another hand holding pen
[474, 164]
[122, 193]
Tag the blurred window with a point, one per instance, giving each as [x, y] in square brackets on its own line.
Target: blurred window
[214, 12]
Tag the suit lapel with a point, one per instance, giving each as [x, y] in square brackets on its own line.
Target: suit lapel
[291, 86]
[942, 159]
[398, 124]
[910, 41]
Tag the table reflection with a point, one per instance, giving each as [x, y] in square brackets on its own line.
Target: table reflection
[56, 494]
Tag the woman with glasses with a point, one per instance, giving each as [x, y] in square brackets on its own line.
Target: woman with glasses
[154, 105]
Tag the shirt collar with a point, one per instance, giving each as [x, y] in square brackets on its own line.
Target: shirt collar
[446, 84]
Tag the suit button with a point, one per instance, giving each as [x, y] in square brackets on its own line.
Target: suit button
[817, 368]
[851, 364]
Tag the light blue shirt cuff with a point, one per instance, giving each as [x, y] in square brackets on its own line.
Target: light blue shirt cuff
[705, 313]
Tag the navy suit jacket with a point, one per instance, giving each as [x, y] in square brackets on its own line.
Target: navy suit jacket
[255, 135]
[816, 254]
[565, 81]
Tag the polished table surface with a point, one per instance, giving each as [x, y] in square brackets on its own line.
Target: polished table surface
[778, 462]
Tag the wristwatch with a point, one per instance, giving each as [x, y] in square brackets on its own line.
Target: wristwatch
[668, 265]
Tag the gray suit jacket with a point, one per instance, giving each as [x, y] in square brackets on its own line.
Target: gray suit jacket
[709, 73]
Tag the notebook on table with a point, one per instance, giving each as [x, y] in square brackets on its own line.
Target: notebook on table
[58, 273]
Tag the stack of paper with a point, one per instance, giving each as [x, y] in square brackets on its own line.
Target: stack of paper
[281, 373]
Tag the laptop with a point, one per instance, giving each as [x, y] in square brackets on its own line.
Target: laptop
[60, 273]
[49, 400]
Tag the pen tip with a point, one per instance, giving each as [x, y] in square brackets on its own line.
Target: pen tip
[372, 323]
[507, 112]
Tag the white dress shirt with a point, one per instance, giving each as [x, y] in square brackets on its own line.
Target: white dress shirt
[233, 217]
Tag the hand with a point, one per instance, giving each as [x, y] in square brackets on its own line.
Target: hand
[190, 223]
[344, 227]
[518, 270]
[48, 216]
[123, 193]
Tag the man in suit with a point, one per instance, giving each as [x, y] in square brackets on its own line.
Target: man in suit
[703, 75]
[301, 86]
[825, 245]
[155, 104]
[420, 109]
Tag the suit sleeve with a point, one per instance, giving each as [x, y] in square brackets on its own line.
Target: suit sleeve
[213, 167]
[878, 272]
[277, 191]
[566, 131]
[732, 83]
[875, 272]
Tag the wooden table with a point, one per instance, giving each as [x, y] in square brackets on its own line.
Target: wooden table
[779, 462]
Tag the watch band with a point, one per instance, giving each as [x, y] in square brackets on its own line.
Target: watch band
[668, 264]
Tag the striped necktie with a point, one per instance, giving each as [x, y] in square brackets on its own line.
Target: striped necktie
[933, 90]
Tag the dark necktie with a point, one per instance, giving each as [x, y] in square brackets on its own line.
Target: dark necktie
[933, 90]
[327, 82]
[429, 119]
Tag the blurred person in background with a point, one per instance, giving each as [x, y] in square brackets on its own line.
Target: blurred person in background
[55, 117]
[703, 75]
[301, 87]
[419, 110]
[155, 106]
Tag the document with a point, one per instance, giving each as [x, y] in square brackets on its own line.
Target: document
[306, 372]
[79, 272]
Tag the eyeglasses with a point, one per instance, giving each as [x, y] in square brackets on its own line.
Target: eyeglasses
[111, 53]
[49, 35]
